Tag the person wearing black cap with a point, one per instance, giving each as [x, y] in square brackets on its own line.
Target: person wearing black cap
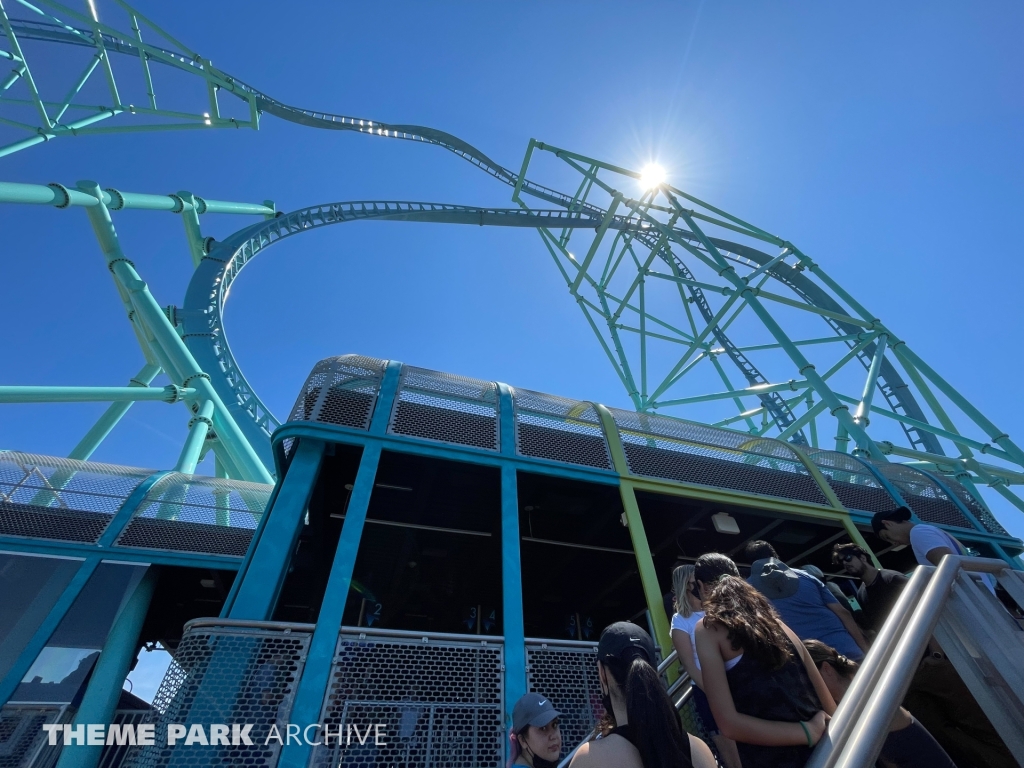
[641, 728]
[536, 739]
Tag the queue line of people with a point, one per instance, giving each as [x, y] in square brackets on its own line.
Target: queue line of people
[769, 658]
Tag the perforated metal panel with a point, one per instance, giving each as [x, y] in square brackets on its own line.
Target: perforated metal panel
[567, 674]
[555, 428]
[928, 501]
[223, 674]
[658, 446]
[445, 407]
[23, 742]
[983, 515]
[195, 513]
[852, 482]
[340, 390]
[46, 497]
[438, 698]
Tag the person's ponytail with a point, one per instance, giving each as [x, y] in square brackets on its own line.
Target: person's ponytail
[653, 720]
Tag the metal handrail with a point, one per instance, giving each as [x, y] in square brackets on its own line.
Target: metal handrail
[861, 722]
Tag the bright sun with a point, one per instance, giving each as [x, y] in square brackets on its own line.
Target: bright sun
[652, 176]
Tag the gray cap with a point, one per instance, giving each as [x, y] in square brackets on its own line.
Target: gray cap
[773, 578]
[532, 709]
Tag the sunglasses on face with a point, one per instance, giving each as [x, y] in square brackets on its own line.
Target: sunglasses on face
[848, 557]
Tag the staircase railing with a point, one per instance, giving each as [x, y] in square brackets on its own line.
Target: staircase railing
[981, 639]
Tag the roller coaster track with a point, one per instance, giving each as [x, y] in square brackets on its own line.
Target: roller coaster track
[208, 288]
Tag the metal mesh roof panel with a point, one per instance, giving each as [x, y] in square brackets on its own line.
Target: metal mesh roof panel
[658, 446]
[559, 429]
[47, 497]
[928, 501]
[852, 482]
[340, 390]
[448, 408]
[194, 513]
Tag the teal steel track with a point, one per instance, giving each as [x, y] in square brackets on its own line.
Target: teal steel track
[721, 267]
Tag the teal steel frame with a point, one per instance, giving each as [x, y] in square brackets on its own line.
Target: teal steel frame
[637, 235]
[629, 241]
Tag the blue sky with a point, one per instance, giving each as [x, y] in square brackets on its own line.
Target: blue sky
[884, 141]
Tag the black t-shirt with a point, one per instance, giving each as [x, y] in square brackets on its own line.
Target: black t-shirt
[913, 747]
[877, 600]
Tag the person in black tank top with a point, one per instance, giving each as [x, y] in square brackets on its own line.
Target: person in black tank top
[764, 690]
[641, 728]
[908, 745]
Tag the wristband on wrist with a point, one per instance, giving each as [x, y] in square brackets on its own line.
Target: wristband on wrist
[807, 733]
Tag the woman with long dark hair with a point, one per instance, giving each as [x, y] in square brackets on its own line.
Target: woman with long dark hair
[764, 690]
[641, 728]
[908, 745]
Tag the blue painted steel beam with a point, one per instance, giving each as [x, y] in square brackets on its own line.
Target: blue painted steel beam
[264, 577]
[312, 687]
[112, 667]
[883, 480]
[128, 509]
[511, 561]
[42, 634]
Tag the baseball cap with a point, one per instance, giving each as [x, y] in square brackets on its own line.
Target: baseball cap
[533, 709]
[773, 578]
[624, 640]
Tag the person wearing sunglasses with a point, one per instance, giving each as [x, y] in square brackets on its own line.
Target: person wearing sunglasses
[879, 589]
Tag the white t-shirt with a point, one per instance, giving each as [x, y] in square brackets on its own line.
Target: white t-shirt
[924, 538]
[688, 625]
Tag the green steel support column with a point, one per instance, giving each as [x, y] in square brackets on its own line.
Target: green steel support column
[864, 408]
[825, 393]
[842, 438]
[194, 235]
[112, 416]
[265, 575]
[198, 429]
[909, 359]
[180, 361]
[644, 560]
[104, 689]
[511, 562]
[313, 686]
[41, 636]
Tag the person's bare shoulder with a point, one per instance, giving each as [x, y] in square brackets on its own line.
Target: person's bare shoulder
[700, 755]
[611, 752]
